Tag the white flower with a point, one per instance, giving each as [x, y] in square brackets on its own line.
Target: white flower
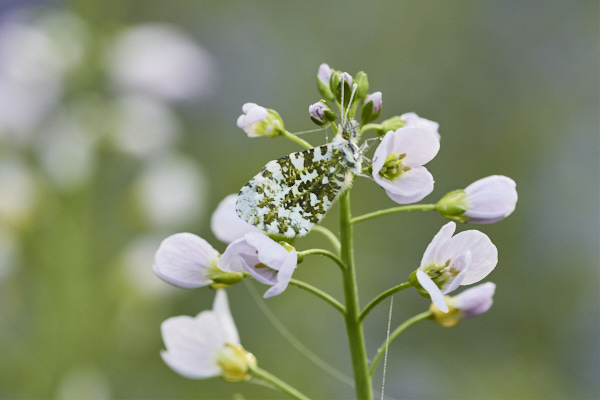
[450, 261]
[207, 345]
[226, 225]
[258, 121]
[160, 60]
[412, 120]
[474, 301]
[185, 260]
[471, 302]
[266, 260]
[490, 199]
[398, 164]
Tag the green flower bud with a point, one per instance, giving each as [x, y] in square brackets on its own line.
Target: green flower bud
[363, 85]
[371, 108]
[453, 205]
[391, 125]
[323, 81]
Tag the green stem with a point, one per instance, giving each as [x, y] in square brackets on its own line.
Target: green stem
[368, 127]
[318, 292]
[329, 235]
[354, 330]
[412, 207]
[409, 322]
[325, 253]
[298, 140]
[382, 296]
[278, 383]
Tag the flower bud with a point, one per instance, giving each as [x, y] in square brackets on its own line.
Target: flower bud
[345, 79]
[323, 79]
[235, 363]
[453, 205]
[321, 113]
[259, 121]
[485, 201]
[371, 108]
[471, 302]
[390, 124]
[362, 82]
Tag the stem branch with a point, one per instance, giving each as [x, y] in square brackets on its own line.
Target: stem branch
[318, 292]
[380, 352]
[381, 297]
[278, 383]
[412, 207]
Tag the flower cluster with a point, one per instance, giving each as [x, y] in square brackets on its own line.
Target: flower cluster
[208, 345]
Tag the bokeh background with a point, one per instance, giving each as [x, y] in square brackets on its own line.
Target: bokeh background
[117, 129]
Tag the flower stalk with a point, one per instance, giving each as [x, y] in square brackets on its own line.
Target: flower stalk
[278, 383]
[354, 329]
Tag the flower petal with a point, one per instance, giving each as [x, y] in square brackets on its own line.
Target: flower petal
[491, 199]
[476, 300]
[484, 254]
[439, 241]
[226, 225]
[410, 187]
[223, 314]
[284, 275]
[434, 292]
[183, 259]
[419, 145]
[189, 348]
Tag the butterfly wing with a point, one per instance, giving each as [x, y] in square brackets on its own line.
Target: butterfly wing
[293, 193]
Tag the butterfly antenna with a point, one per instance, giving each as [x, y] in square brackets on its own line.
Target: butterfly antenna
[354, 87]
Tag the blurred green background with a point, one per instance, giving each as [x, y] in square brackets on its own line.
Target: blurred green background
[118, 128]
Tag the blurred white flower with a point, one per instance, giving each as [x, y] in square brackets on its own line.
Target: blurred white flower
[36, 51]
[143, 126]
[84, 383]
[134, 261]
[9, 252]
[66, 152]
[18, 192]
[160, 60]
[171, 192]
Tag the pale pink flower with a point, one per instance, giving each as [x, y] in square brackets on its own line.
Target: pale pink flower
[259, 121]
[186, 261]
[451, 261]
[490, 199]
[267, 261]
[398, 164]
[412, 120]
[207, 345]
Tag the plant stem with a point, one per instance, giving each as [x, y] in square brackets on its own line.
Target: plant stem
[297, 139]
[278, 383]
[354, 331]
[329, 235]
[412, 207]
[325, 253]
[382, 296]
[318, 292]
[381, 351]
